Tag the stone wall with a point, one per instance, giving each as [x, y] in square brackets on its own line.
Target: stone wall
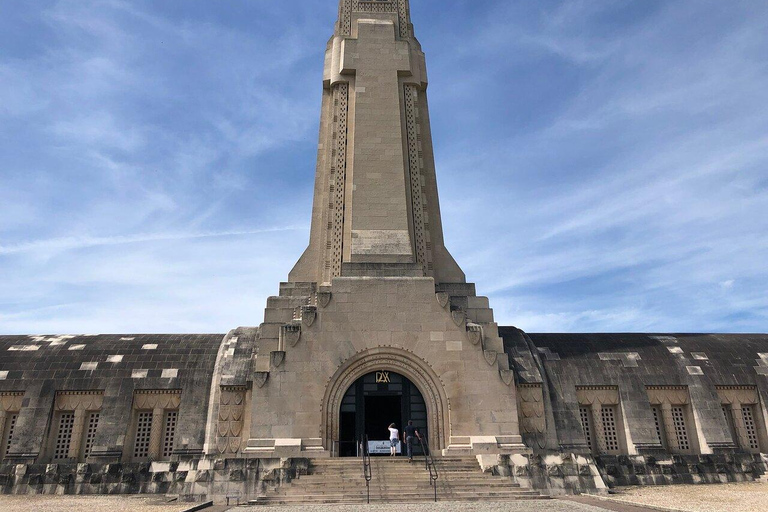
[196, 480]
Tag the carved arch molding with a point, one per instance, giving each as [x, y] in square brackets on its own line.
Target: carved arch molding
[397, 360]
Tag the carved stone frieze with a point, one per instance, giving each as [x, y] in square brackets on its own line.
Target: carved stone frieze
[737, 395]
[418, 199]
[490, 356]
[507, 376]
[531, 408]
[79, 400]
[11, 401]
[338, 180]
[675, 395]
[442, 298]
[157, 399]
[597, 395]
[230, 421]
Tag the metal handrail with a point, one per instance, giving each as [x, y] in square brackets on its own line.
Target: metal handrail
[367, 474]
[430, 463]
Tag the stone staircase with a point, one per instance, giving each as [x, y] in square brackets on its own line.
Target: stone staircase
[395, 480]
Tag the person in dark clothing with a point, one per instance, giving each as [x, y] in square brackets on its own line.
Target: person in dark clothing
[410, 432]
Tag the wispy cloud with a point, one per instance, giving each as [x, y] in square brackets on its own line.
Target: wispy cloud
[602, 165]
[68, 243]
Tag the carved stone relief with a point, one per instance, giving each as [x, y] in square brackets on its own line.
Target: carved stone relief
[475, 332]
[531, 409]
[78, 400]
[674, 395]
[230, 423]
[157, 399]
[11, 401]
[418, 201]
[597, 395]
[337, 180]
[737, 395]
[290, 333]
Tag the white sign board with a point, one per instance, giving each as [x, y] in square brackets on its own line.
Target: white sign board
[381, 447]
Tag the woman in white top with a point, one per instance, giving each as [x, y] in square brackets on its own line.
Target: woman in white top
[394, 437]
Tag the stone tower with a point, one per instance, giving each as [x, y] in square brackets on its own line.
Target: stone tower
[376, 293]
[376, 207]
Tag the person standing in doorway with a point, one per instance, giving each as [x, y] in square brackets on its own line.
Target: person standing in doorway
[394, 438]
[408, 435]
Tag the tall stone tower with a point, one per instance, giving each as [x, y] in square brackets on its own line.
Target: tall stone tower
[376, 323]
[376, 208]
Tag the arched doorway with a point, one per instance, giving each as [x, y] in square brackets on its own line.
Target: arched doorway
[374, 401]
[393, 359]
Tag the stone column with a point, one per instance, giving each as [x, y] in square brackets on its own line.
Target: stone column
[77, 435]
[156, 434]
[3, 416]
[669, 427]
[597, 422]
[739, 426]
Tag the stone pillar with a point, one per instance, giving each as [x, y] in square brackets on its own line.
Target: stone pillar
[3, 416]
[77, 435]
[597, 422]
[156, 434]
[669, 427]
[737, 415]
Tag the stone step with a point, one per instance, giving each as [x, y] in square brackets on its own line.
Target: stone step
[396, 480]
[404, 485]
[347, 499]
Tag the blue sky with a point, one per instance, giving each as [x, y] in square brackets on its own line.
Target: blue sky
[603, 165]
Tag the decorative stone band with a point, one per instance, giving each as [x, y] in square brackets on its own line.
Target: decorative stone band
[347, 7]
[337, 182]
[10, 401]
[677, 395]
[146, 399]
[78, 400]
[597, 395]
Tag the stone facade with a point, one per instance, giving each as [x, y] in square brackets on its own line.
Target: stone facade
[376, 291]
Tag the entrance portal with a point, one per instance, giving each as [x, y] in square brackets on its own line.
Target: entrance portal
[374, 401]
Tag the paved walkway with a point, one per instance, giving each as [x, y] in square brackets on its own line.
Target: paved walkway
[447, 506]
[606, 504]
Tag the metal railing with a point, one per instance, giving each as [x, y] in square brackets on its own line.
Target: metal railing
[430, 464]
[366, 466]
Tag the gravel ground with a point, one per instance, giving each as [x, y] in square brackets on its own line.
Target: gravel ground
[38, 503]
[744, 497]
[446, 506]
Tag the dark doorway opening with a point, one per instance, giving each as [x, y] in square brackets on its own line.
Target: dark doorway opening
[380, 412]
[373, 402]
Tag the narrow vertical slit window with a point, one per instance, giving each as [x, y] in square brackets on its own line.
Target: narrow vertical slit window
[169, 432]
[750, 427]
[586, 424]
[681, 432]
[143, 431]
[608, 414]
[64, 435]
[90, 432]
